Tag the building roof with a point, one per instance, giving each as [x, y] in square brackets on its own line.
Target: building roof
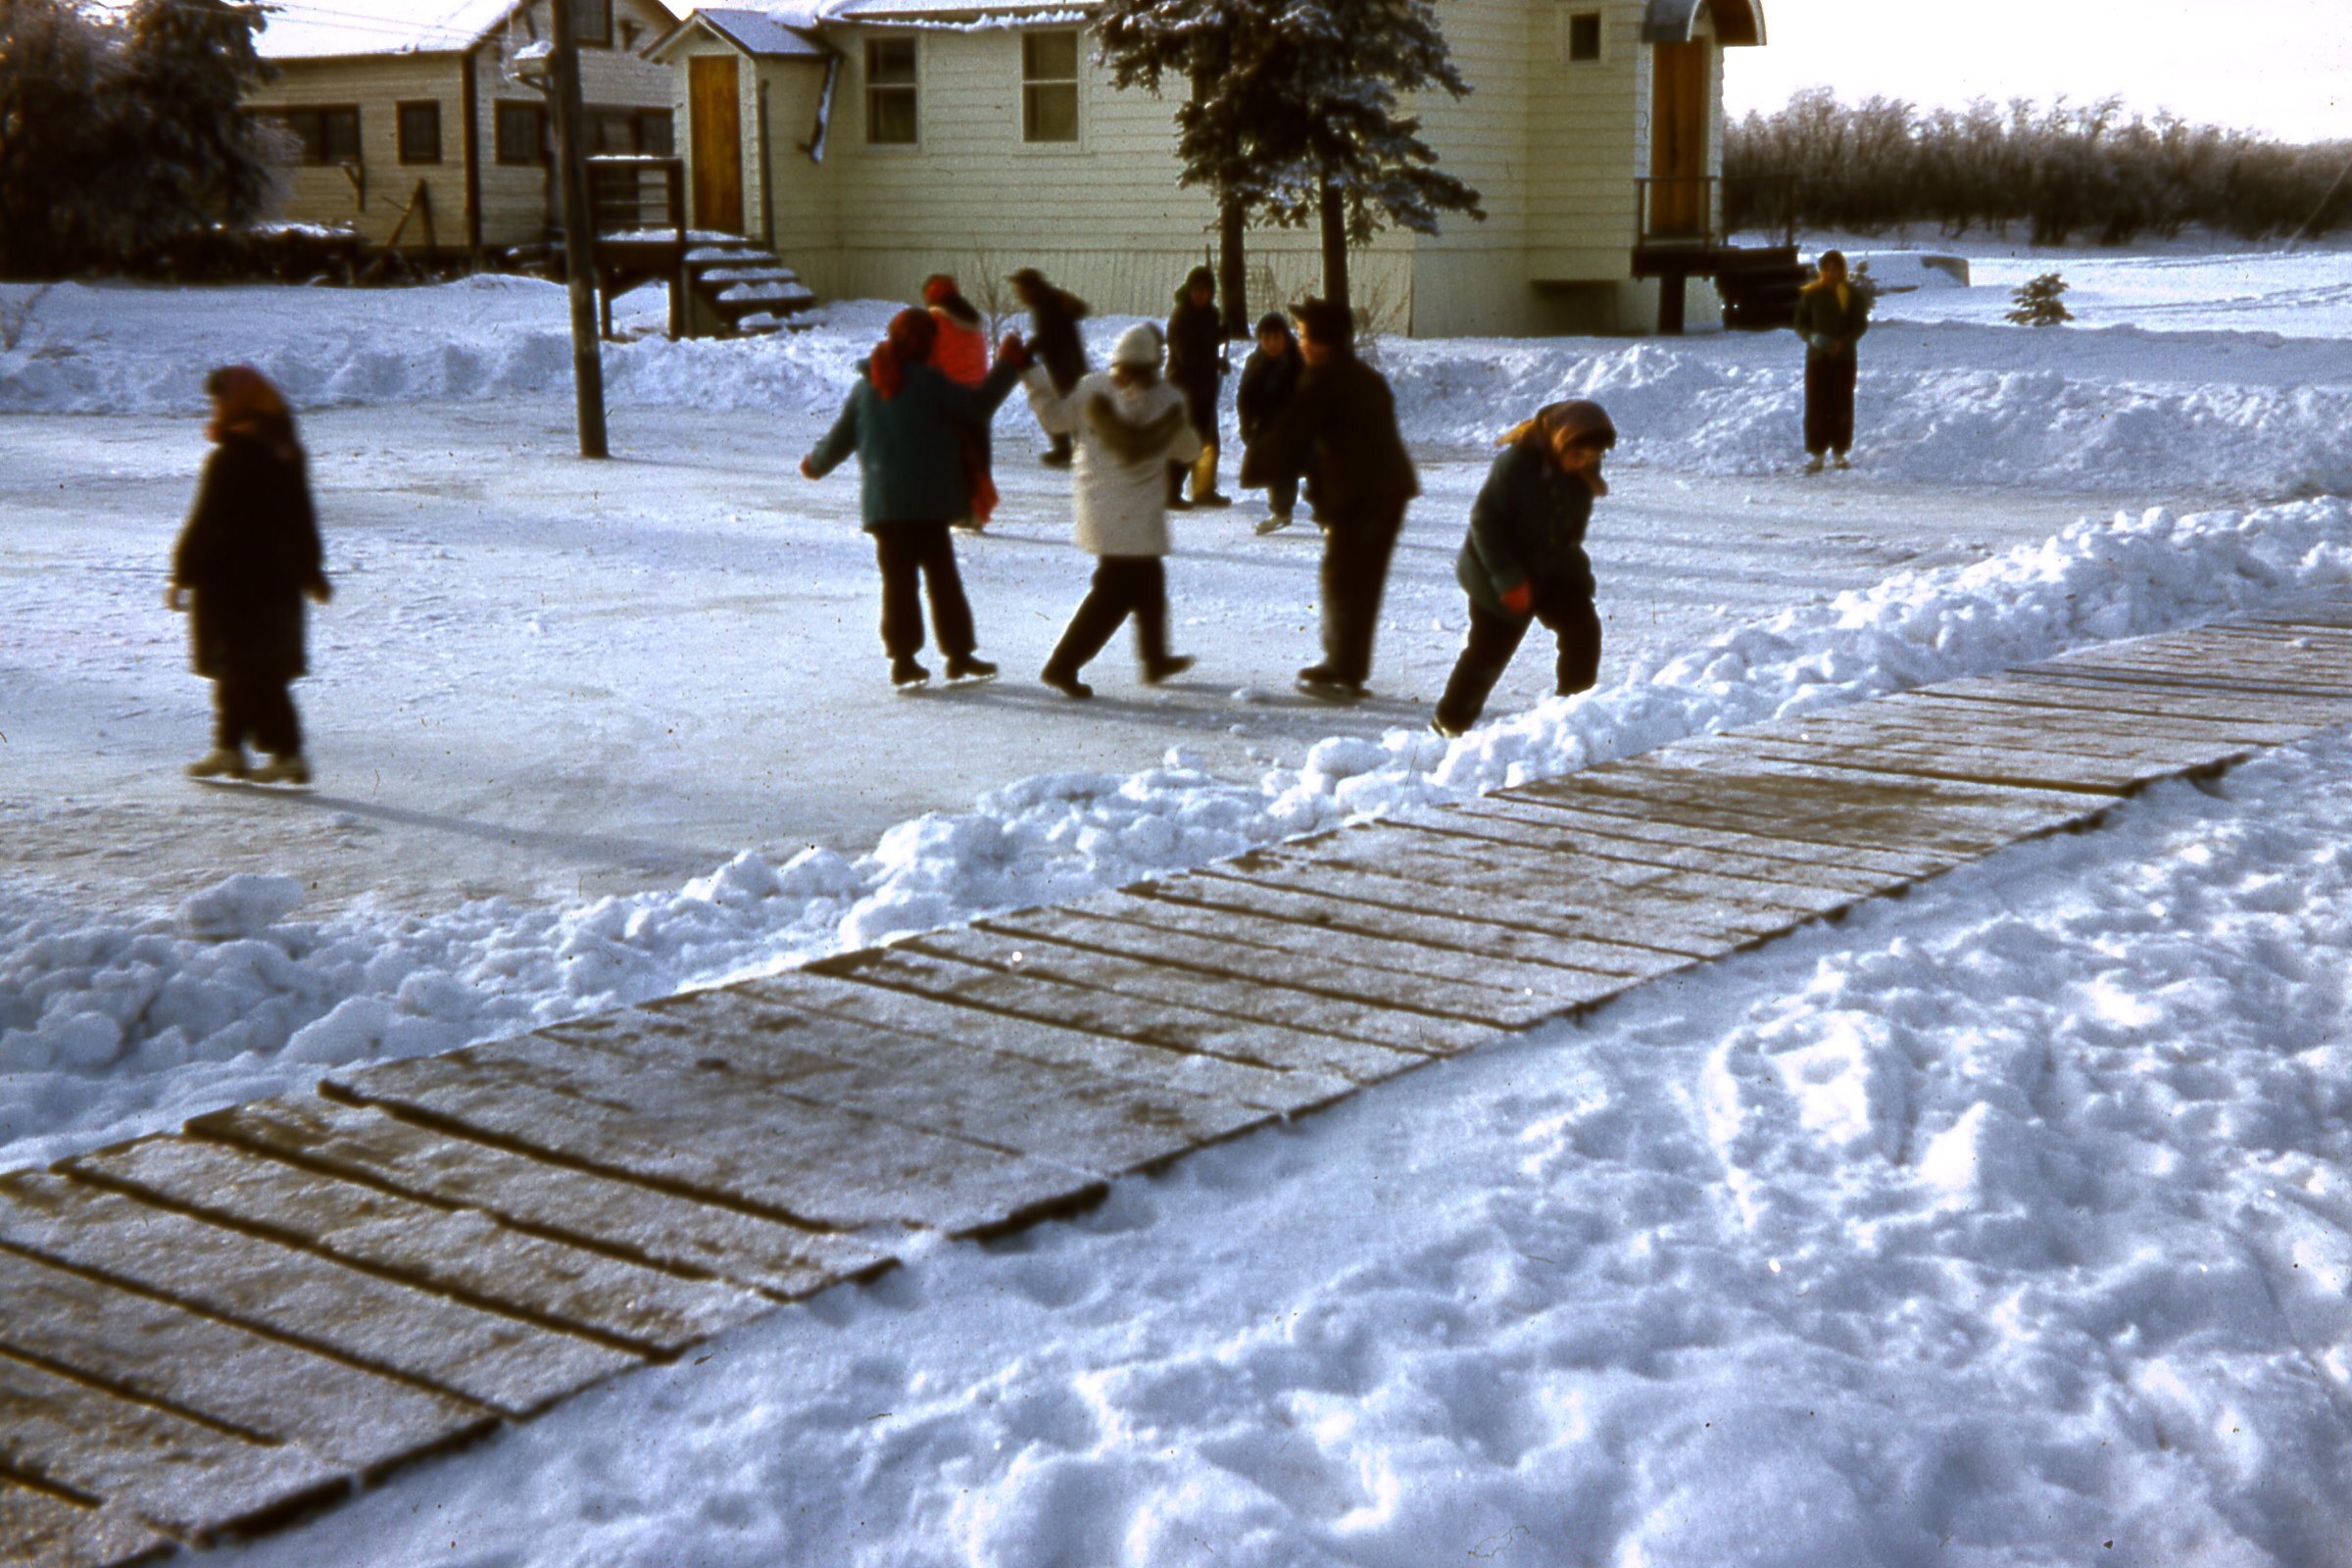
[304, 29]
[952, 11]
[780, 34]
[1736, 21]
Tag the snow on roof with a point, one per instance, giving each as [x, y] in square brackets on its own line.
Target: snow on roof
[302, 29]
[789, 33]
[918, 11]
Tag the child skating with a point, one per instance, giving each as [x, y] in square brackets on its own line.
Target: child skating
[1131, 424]
[245, 561]
[1524, 560]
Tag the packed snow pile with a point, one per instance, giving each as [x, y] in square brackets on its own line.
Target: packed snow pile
[1941, 400]
[118, 1025]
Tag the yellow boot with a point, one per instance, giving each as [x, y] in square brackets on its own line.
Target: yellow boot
[1205, 479]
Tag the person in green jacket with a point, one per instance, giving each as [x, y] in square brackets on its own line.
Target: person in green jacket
[905, 420]
[1832, 313]
[1524, 560]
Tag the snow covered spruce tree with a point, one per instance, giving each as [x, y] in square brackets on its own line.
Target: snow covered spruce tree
[1294, 109]
[2036, 303]
[118, 135]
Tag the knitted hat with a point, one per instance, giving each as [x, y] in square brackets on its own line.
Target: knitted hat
[1138, 348]
[1273, 321]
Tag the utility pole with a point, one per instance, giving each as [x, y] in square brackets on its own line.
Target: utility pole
[580, 245]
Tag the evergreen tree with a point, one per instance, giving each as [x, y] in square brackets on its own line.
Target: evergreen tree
[115, 136]
[2036, 303]
[187, 64]
[1295, 112]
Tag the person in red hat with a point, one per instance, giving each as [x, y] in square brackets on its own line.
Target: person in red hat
[247, 557]
[962, 352]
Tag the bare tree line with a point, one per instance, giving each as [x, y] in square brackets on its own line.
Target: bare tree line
[2065, 172]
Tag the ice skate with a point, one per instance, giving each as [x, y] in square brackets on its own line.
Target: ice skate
[1838, 460]
[222, 762]
[1068, 685]
[1323, 684]
[1274, 523]
[908, 675]
[1813, 464]
[1173, 665]
[287, 768]
[970, 667]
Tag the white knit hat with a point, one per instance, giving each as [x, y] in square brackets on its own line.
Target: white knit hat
[1138, 346]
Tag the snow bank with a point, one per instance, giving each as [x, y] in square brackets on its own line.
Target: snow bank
[1948, 400]
[118, 1025]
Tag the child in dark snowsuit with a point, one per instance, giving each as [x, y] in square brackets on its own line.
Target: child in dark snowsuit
[903, 421]
[1832, 311]
[1055, 343]
[1268, 379]
[248, 554]
[1197, 368]
[1524, 560]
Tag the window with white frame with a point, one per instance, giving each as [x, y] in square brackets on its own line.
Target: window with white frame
[889, 108]
[1050, 86]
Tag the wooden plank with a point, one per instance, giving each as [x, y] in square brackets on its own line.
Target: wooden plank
[2042, 735]
[562, 1201]
[459, 1253]
[1879, 748]
[1305, 936]
[1539, 823]
[152, 1350]
[1961, 820]
[1215, 1078]
[2058, 709]
[1471, 888]
[1349, 1021]
[1319, 977]
[1308, 1057]
[1575, 962]
[1066, 1115]
[709, 1134]
[2123, 692]
[192, 1480]
[1735, 906]
[513, 1367]
[2249, 665]
[41, 1531]
[1671, 813]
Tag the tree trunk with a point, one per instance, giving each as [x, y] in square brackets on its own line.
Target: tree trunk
[1233, 271]
[1335, 242]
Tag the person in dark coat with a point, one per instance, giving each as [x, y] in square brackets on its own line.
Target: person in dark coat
[1341, 425]
[1524, 560]
[903, 421]
[1832, 313]
[1268, 379]
[248, 555]
[1197, 368]
[1055, 343]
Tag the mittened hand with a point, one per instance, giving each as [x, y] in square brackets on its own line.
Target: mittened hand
[1520, 600]
[319, 592]
[175, 597]
[808, 470]
[1012, 349]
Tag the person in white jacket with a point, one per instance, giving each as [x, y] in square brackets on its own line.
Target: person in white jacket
[1129, 425]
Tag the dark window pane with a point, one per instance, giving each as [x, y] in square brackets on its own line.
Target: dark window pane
[1050, 113]
[591, 20]
[341, 133]
[522, 133]
[890, 62]
[890, 115]
[653, 133]
[1049, 56]
[419, 133]
[1583, 35]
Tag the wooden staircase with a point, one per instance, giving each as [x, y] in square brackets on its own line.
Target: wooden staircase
[743, 287]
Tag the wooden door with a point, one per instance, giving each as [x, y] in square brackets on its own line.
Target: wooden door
[1678, 137]
[714, 131]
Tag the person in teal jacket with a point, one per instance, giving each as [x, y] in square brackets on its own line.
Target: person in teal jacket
[904, 419]
[1524, 560]
[1832, 313]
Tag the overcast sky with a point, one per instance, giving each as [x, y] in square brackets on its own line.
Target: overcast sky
[2281, 67]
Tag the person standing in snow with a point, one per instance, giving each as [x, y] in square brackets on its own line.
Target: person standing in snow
[248, 555]
[1197, 366]
[962, 351]
[1341, 427]
[1268, 379]
[1524, 560]
[1055, 343]
[903, 419]
[1832, 311]
[1130, 425]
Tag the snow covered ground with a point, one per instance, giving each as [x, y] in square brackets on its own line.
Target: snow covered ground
[1992, 1226]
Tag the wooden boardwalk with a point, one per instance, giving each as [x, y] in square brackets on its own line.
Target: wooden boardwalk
[208, 1332]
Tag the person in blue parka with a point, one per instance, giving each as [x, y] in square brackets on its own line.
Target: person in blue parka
[904, 420]
[1524, 560]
